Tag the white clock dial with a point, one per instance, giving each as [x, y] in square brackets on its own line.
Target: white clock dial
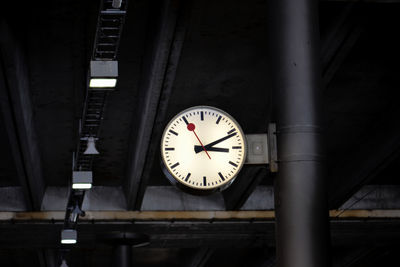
[203, 148]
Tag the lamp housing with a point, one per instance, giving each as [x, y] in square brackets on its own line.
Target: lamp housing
[82, 179]
[68, 236]
[103, 74]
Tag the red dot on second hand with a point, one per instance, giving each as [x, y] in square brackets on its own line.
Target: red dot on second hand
[191, 127]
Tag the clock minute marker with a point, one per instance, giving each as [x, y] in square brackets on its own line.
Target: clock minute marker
[204, 181]
[233, 164]
[219, 118]
[183, 118]
[173, 132]
[202, 116]
[176, 164]
[187, 177]
[169, 148]
[221, 176]
[231, 131]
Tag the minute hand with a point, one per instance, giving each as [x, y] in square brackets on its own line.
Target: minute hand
[198, 149]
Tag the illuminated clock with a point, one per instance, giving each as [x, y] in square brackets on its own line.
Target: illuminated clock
[202, 149]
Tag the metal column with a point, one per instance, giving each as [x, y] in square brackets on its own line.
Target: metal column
[302, 229]
[123, 256]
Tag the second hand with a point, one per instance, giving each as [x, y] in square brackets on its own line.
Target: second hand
[191, 128]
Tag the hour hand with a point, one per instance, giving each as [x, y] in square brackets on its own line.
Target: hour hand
[210, 145]
[198, 149]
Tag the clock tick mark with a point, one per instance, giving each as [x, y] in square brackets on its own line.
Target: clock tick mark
[218, 120]
[221, 176]
[183, 118]
[169, 148]
[176, 164]
[202, 116]
[204, 181]
[231, 131]
[187, 177]
[236, 147]
[173, 132]
[233, 164]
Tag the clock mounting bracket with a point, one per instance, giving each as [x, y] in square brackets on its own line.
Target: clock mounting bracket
[261, 148]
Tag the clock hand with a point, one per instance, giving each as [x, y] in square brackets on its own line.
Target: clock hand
[191, 128]
[198, 149]
[214, 149]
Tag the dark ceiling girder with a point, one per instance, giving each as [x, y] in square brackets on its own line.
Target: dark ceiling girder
[340, 38]
[190, 233]
[160, 65]
[16, 106]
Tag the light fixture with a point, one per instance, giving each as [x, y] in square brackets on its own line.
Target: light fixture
[63, 264]
[68, 236]
[91, 146]
[82, 179]
[116, 3]
[103, 73]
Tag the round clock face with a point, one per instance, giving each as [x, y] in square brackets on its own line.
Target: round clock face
[203, 148]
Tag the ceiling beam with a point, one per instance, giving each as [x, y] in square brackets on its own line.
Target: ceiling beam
[191, 229]
[17, 110]
[248, 216]
[374, 197]
[160, 64]
[339, 39]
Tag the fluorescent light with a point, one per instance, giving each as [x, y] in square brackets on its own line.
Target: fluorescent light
[68, 241]
[64, 264]
[81, 186]
[102, 82]
[82, 179]
[68, 236]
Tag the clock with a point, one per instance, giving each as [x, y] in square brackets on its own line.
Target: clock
[202, 149]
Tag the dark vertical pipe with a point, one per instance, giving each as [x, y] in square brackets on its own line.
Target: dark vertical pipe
[122, 256]
[302, 229]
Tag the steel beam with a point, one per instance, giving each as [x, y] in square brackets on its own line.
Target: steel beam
[302, 229]
[374, 197]
[339, 39]
[161, 62]
[17, 110]
[191, 229]
[115, 217]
